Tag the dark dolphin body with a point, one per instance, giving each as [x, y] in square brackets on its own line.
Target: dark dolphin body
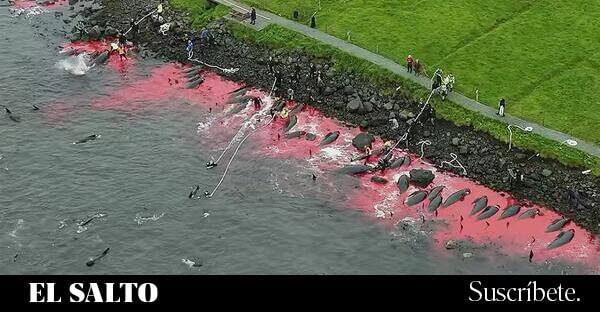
[192, 74]
[396, 163]
[488, 212]
[196, 78]
[456, 196]
[563, 238]
[240, 99]
[406, 161]
[194, 68]
[557, 224]
[194, 191]
[355, 169]
[87, 139]
[416, 198]
[479, 204]
[330, 138]
[311, 137]
[195, 83]
[101, 58]
[11, 116]
[379, 180]
[238, 108]
[277, 107]
[529, 213]
[290, 123]
[403, 183]
[295, 134]
[435, 192]
[435, 203]
[510, 211]
[93, 261]
[298, 108]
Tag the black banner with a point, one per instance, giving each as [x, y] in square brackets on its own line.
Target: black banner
[334, 291]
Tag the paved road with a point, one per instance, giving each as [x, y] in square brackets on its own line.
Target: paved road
[265, 18]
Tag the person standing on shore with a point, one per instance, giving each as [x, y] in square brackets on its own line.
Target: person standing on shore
[501, 107]
[409, 63]
[190, 48]
[253, 16]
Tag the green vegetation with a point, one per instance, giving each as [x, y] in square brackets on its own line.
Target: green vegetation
[537, 54]
[201, 11]
[277, 37]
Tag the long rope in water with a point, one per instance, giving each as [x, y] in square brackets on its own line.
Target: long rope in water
[233, 157]
[241, 128]
[229, 145]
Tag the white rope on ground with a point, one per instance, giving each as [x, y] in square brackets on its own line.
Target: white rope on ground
[209, 195]
[405, 136]
[454, 159]
[423, 143]
[273, 87]
[136, 23]
[225, 70]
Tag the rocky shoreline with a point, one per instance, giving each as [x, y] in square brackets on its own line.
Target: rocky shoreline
[355, 102]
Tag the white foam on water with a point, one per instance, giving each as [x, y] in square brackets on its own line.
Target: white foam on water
[18, 227]
[141, 220]
[335, 153]
[77, 65]
[28, 12]
[203, 126]
[188, 262]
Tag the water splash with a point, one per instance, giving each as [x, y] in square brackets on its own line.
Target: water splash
[77, 65]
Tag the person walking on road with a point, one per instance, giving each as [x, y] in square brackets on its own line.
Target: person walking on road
[409, 63]
[501, 107]
[253, 16]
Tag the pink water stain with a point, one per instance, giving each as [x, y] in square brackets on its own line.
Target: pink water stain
[385, 203]
[26, 4]
[167, 83]
[98, 46]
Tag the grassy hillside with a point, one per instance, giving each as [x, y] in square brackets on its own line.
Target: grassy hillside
[537, 54]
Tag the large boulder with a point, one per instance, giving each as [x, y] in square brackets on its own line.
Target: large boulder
[348, 90]
[95, 33]
[421, 177]
[363, 139]
[111, 31]
[354, 105]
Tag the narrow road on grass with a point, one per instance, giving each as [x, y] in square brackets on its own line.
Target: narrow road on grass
[265, 18]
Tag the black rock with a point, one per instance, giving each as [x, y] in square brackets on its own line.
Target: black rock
[363, 139]
[421, 177]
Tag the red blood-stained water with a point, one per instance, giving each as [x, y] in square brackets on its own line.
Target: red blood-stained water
[381, 201]
[26, 4]
[384, 201]
[168, 83]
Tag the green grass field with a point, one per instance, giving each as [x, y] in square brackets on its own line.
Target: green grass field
[537, 54]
